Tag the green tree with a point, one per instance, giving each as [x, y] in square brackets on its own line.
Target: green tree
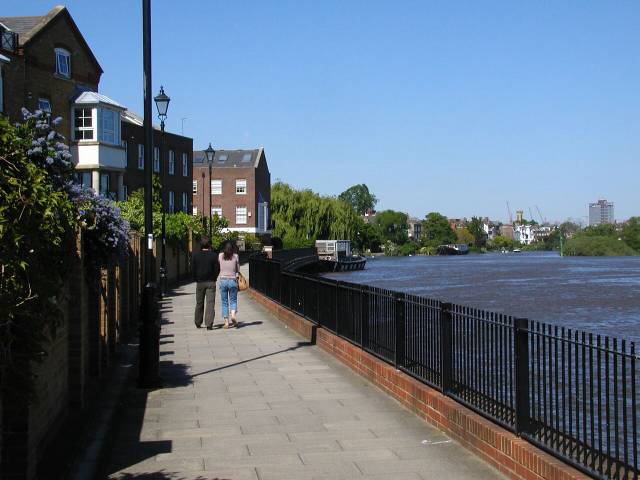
[359, 197]
[392, 226]
[476, 228]
[464, 236]
[436, 231]
[502, 243]
[631, 233]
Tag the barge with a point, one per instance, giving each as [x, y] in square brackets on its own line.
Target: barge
[335, 256]
[453, 249]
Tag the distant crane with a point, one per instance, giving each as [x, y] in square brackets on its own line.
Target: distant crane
[509, 210]
[542, 219]
[530, 214]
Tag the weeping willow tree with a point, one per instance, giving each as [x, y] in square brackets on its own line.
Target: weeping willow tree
[299, 217]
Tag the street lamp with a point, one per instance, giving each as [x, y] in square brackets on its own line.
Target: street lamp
[162, 104]
[210, 153]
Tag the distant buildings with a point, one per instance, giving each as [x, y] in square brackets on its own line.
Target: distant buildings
[414, 229]
[601, 212]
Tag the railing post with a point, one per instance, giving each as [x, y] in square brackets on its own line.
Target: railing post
[446, 347]
[398, 300]
[364, 316]
[521, 352]
[337, 309]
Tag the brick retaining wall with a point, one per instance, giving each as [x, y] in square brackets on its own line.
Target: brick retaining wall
[514, 457]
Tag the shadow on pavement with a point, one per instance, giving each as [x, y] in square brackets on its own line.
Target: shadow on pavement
[162, 475]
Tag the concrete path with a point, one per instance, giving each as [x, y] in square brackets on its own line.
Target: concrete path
[257, 403]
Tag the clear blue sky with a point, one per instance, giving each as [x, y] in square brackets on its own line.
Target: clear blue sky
[454, 107]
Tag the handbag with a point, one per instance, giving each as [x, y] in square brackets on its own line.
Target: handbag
[242, 283]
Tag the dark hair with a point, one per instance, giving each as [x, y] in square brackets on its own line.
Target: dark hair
[227, 250]
[205, 243]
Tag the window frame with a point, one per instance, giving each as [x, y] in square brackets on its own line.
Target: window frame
[185, 202]
[240, 188]
[41, 100]
[156, 159]
[172, 162]
[194, 210]
[63, 53]
[125, 193]
[141, 156]
[114, 133]
[239, 215]
[217, 191]
[185, 165]
[216, 210]
[195, 187]
[172, 201]
[84, 127]
[104, 193]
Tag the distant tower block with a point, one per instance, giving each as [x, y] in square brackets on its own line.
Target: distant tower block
[519, 216]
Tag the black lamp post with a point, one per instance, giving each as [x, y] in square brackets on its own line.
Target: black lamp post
[204, 221]
[162, 104]
[210, 153]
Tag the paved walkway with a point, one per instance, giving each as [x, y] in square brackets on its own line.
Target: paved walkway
[257, 403]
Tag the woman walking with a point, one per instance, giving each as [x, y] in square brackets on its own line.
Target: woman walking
[228, 283]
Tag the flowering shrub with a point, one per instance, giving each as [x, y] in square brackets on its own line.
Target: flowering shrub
[106, 231]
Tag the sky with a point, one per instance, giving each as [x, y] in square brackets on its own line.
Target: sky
[456, 107]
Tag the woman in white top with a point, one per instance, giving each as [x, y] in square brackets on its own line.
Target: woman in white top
[228, 282]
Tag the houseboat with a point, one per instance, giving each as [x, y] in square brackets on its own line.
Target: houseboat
[335, 256]
[453, 249]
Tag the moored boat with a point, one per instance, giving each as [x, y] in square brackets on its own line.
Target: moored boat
[335, 256]
[453, 249]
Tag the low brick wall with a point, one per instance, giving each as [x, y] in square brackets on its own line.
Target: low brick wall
[514, 457]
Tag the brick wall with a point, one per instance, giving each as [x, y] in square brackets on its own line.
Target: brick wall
[509, 454]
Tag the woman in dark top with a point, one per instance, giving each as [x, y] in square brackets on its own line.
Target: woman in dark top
[205, 268]
[228, 282]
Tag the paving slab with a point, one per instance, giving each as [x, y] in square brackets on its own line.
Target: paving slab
[259, 403]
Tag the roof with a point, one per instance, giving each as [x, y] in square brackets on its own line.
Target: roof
[29, 28]
[135, 119]
[92, 98]
[230, 158]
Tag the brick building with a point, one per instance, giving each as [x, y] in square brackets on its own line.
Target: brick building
[175, 158]
[46, 62]
[239, 189]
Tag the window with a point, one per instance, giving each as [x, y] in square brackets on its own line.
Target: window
[85, 179]
[194, 210]
[185, 165]
[185, 202]
[241, 215]
[45, 105]
[63, 62]
[195, 187]
[125, 145]
[104, 184]
[140, 156]
[172, 201]
[241, 187]
[216, 187]
[263, 216]
[108, 126]
[156, 159]
[216, 210]
[223, 158]
[125, 193]
[83, 121]
[246, 158]
[172, 162]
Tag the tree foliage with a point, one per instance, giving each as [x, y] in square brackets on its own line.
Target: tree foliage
[476, 229]
[392, 226]
[631, 233]
[436, 231]
[360, 198]
[299, 217]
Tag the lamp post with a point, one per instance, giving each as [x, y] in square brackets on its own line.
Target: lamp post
[162, 104]
[149, 350]
[210, 153]
[204, 224]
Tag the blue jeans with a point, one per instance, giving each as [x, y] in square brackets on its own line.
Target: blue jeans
[228, 295]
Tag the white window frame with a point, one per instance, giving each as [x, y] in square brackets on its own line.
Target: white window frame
[46, 103]
[241, 215]
[156, 159]
[241, 186]
[185, 202]
[108, 135]
[185, 165]
[140, 156]
[172, 162]
[172, 201]
[84, 128]
[216, 210]
[195, 187]
[216, 187]
[63, 62]
[194, 210]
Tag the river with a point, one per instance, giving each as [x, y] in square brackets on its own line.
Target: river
[595, 294]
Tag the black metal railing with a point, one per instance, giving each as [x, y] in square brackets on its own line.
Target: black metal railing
[574, 394]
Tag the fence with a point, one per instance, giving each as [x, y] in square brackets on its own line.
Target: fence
[573, 394]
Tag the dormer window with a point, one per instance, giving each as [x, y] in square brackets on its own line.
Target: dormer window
[63, 63]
